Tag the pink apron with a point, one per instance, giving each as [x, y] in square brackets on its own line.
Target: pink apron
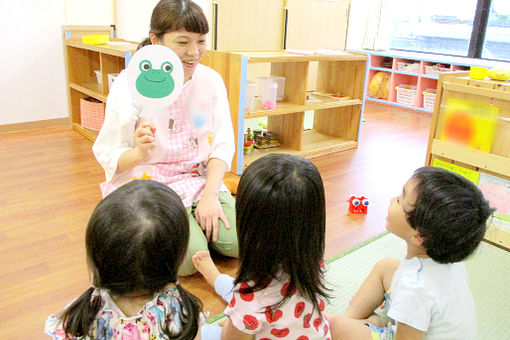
[183, 143]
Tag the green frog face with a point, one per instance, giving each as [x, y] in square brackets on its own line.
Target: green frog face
[155, 83]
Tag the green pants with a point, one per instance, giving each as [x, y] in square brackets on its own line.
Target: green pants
[227, 238]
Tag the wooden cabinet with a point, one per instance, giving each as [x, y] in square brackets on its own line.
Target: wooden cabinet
[337, 118]
[496, 162]
[82, 61]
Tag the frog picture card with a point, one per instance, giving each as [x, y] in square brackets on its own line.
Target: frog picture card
[155, 78]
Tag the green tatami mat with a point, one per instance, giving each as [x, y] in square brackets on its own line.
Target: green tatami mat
[488, 269]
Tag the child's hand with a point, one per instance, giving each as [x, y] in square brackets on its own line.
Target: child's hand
[144, 139]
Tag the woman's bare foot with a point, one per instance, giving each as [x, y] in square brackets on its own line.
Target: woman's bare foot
[204, 264]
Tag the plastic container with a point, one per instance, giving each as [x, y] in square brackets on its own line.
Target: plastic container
[478, 72]
[91, 113]
[99, 77]
[405, 94]
[279, 80]
[111, 78]
[95, 39]
[269, 91]
[250, 96]
[429, 99]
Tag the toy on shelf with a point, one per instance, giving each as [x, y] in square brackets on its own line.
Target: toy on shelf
[499, 74]
[265, 139]
[248, 141]
[358, 205]
[380, 85]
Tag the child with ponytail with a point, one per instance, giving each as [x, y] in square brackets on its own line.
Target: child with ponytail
[136, 239]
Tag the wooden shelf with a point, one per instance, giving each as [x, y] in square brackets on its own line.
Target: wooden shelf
[82, 60]
[91, 135]
[115, 47]
[276, 56]
[323, 102]
[336, 120]
[90, 89]
[314, 143]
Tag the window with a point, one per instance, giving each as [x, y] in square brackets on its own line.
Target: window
[475, 28]
[435, 26]
[497, 36]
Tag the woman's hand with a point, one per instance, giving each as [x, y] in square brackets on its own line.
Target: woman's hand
[207, 214]
[145, 140]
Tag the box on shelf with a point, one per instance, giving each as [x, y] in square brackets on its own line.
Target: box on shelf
[405, 94]
[91, 113]
[95, 39]
[111, 78]
[429, 99]
[408, 67]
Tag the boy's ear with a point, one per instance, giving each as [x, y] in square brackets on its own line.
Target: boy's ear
[417, 239]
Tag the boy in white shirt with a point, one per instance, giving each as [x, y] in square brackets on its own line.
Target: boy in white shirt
[442, 217]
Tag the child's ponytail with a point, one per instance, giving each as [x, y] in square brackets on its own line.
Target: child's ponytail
[191, 318]
[78, 317]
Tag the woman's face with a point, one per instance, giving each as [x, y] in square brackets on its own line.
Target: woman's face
[189, 46]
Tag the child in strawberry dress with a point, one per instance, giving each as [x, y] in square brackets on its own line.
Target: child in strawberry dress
[278, 292]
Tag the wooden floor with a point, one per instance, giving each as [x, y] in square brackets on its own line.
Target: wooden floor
[49, 187]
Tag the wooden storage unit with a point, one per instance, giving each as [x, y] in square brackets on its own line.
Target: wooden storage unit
[81, 62]
[497, 161]
[336, 120]
[420, 77]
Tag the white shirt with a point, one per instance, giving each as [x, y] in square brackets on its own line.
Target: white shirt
[434, 298]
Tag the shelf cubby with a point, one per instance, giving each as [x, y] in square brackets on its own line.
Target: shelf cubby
[338, 101]
[81, 62]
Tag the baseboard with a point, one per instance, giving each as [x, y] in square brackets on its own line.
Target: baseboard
[39, 124]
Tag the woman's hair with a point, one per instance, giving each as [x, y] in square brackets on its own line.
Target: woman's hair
[280, 218]
[450, 213]
[136, 239]
[172, 15]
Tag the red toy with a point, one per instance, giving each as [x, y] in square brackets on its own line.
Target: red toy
[358, 205]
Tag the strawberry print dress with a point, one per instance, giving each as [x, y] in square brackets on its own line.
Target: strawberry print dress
[295, 319]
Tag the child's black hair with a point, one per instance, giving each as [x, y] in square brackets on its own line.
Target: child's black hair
[450, 213]
[136, 239]
[280, 215]
[172, 15]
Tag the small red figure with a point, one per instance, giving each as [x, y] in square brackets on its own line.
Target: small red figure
[358, 205]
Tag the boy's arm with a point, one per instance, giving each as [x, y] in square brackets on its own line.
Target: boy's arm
[406, 332]
[230, 332]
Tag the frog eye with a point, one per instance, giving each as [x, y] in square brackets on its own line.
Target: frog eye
[365, 202]
[356, 202]
[145, 65]
[167, 67]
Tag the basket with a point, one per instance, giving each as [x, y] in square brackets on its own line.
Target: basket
[405, 94]
[429, 99]
[91, 113]
[434, 70]
[408, 67]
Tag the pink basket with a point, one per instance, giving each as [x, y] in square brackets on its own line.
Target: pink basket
[91, 113]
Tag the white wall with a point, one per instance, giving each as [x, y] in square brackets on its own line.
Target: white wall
[358, 16]
[89, 12]
[134, 16]
[33, 75]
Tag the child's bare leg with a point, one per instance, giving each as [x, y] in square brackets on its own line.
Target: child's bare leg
[371, 293]
[204, 264]
[222, 283]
